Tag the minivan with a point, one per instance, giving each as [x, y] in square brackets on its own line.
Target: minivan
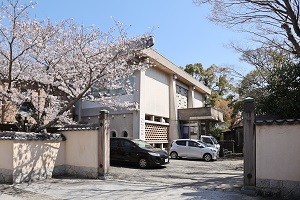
[192, 148]
[137, 151]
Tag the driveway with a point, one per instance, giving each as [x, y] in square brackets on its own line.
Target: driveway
[223, 174]
[181, 179]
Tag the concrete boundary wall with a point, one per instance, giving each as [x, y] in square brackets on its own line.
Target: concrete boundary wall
[81, 153]
[6, 161]
[24, 160]
[34, 160]
[27, 160]
[278, 160]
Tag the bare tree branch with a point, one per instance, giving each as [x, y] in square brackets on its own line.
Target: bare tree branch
[276, 20]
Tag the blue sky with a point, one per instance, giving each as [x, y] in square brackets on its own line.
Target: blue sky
[182, 31]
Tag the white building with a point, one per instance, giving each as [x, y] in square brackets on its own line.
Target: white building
[170, 105]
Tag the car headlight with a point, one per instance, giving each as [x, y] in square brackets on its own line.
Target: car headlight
[213, 150]
[153, 154]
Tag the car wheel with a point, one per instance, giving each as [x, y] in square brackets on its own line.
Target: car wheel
[174, 155]
[207, 157]
[143, 163]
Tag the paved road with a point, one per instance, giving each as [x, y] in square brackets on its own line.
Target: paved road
[181, 179]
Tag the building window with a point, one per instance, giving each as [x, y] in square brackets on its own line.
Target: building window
[181, 97]
[107, 92]
[157, 119]
[148, 117]
[113, 134]
[125, 134]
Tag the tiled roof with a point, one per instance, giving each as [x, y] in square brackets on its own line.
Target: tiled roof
[274, 121]
[79, 127]
[31, 136]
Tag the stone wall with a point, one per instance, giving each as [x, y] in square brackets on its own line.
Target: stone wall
[6, 176]
[283, 189]
[81, 172]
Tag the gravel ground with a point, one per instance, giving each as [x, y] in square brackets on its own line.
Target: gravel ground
[181, 179]
[223, 174]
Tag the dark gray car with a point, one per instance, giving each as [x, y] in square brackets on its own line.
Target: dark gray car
[136, 151]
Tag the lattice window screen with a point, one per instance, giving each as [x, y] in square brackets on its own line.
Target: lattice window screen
[181, 97]
[156, 133]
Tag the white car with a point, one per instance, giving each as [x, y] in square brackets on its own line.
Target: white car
[191, 148]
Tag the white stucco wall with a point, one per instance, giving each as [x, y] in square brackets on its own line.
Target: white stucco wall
[81, 148]
[277, 152]
[6, 154]
[120, 123]
[34, 159]
[60, 159]
[156, 88]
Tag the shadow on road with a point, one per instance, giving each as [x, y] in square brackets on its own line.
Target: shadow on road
[133, 166]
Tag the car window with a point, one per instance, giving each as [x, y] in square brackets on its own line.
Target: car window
[202, 143]
[181, 143]
[214, 139]
[143, 144]
[207, 140]
[126, 144]
[193, 144]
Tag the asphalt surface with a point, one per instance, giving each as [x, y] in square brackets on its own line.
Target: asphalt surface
[181, 179]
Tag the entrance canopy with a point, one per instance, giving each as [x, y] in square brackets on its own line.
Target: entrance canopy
[205, 114]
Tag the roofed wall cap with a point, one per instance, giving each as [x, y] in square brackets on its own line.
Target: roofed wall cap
[291, 120]
[277, 121]
[270, 120]
[79, 127]
[31, 136]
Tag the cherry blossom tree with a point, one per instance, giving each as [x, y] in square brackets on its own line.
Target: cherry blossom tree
[55, 65]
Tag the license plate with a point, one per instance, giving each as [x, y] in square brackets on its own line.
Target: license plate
[166, 160]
